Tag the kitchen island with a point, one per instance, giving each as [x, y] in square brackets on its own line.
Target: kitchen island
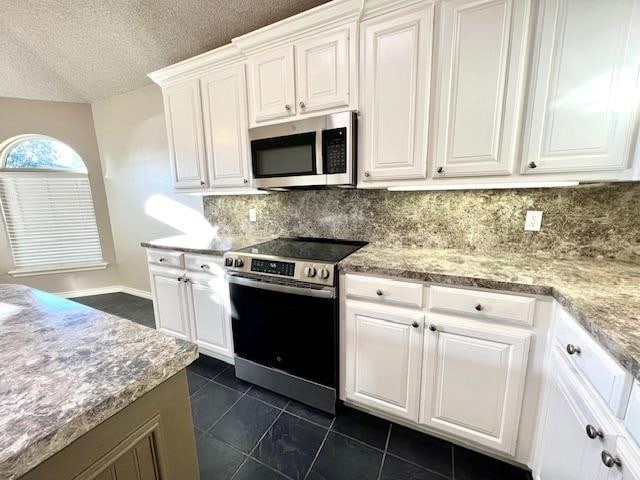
[85, 394]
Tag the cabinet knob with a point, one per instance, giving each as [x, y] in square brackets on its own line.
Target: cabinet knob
[244, 180]
[179, 279]
[202, 182]
[366, 174]
[186, 280]
[609, 460]
[440, 170]
[478, 307]
[302, 104]
[379, 292]
[572, 349]
[287, 107]
[433, 328]
[204, 266]
[532, 165]
[162, 259]
[593, 432]
[415, 324]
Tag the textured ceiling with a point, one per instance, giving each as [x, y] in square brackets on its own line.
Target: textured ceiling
[86, 50]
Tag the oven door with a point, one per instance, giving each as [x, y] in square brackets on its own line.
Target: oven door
[287, 328]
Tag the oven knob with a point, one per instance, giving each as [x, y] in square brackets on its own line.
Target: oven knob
[238, 263]
[228, 262]
[324, 274]
[310, 271]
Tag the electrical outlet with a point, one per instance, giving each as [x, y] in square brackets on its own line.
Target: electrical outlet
[533, 221]
[252, 215]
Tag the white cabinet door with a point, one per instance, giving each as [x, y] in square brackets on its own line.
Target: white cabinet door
[629, 455]
[482, 62]
[584, 89]
[566, 452]
[322, 71]
[273, 92]
[226, 126]
[473, 380]
[383, 348]
[395, 90]
[209, 313]
[183, 114]
[170, 302]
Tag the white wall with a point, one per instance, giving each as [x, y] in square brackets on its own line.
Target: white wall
[133, 147]
[72, 123]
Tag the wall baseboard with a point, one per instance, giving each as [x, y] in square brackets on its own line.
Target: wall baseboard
[105, 290]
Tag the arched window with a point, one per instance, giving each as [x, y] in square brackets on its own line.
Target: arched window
[47, 206]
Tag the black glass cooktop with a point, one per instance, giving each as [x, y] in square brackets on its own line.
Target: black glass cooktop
[304, 248]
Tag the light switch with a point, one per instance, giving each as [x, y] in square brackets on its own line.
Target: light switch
[533, 221]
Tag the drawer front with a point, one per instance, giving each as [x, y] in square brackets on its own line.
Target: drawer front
[205, 264]
[498, 306]
[166, 258]
[385, 290]
[608, 378]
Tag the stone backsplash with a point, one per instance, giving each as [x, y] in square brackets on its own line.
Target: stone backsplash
[597, 220]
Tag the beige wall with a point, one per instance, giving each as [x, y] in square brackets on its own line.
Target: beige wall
[135, 161]
[73, 124]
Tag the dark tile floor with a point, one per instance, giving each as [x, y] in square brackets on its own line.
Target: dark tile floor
[244, 432]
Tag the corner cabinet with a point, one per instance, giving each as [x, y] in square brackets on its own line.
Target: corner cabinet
[395, 66]
[472, 360]
[383, 357]
[183, 115]
[191, 300]
[481, 86]
[583, 105]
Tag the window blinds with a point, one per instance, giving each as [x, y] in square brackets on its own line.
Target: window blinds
[50, 220]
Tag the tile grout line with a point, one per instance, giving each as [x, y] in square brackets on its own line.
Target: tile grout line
[384, 453]
[227, 410]
[319, 449]
[312, 422]
[267, 431]
[419, 466]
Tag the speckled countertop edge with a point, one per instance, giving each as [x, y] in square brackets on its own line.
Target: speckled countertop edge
[204, 245]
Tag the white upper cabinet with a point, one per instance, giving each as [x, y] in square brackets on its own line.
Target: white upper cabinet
[395, 68]
[481, 74]
[322, 65]
[383, 347]
[224, 102]
[183, 114]
[584, 86]
[273, 84]
[475, 379]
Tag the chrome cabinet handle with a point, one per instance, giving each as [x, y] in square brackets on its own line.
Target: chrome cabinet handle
[440, 170]
[478, 307]
[572, 349]
[179, 279]
[415, 324]
[287, 107]
[204, 266]
[244, 180]
[433, 328]
[366, 174]
[609, 460]
[162, 259]
[202, 182]
[302, 104]
[593, 432]
[532, 165]
[379, 292]
[186, 280]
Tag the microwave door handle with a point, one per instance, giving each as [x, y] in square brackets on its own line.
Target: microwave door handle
[319, 162]
[323, 292]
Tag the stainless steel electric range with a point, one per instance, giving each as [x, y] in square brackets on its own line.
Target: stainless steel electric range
[284, 311]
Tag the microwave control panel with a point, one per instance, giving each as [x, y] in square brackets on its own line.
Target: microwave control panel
[334, 150]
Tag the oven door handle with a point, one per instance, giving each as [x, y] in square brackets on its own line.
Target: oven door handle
[322, 292]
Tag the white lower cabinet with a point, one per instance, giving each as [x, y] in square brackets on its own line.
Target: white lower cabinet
[194, 305]
[383, 357]
[170, 302]
[473, 380]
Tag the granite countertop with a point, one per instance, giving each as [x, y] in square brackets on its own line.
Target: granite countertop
[603, 295]
[206, 245]
[65, 368]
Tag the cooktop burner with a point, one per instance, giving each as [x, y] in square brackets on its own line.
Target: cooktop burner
[305, 248]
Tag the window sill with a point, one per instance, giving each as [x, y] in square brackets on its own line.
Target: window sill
[78, 267]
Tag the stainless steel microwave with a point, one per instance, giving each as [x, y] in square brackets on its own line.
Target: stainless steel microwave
[315, 152]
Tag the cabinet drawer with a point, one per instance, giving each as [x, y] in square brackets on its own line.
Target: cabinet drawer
[164, 257]
[479, 304]
[385, 290]
[607, 377]
[204, 263]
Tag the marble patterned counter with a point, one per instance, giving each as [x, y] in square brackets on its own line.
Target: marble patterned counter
[205, 245]
[65, 368]
[603, 295]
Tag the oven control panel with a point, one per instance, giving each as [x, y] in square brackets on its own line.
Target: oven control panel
[301, 270]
